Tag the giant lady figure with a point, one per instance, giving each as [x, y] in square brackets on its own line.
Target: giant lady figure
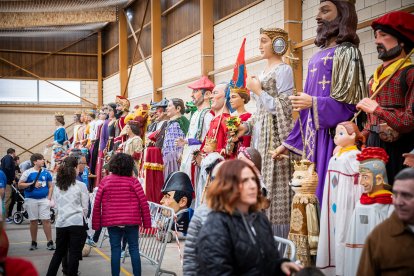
[272, 122]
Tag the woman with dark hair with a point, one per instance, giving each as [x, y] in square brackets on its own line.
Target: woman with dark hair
[121, 206]
[106, 140]
[133, 146]
[177, 127]
[71, 198]
[236, 238]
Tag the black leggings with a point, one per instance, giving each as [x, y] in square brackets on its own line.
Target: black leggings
[68, 239]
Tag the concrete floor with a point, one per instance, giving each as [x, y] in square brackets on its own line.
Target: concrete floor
[97, 263]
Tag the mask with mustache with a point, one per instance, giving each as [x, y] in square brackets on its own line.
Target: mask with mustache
[118, 114]
[199, 101]
[326, 30]
[392, 53]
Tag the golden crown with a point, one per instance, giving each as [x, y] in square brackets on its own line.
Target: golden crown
[59, 114]
[274, 32]
[350, 1]
[302, 165]
[239, 90]
[90, 112]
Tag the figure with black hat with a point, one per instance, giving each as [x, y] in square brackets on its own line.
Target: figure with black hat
[391, 105]
[178, 195]
[177, 128]
[154, 164]
[152, 119]
[199, 125]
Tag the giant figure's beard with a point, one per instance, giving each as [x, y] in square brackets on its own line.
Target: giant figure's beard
[392, 53]
[199, 101]
[118, 114]
[327, 30]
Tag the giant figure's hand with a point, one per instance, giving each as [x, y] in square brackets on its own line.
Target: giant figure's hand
[254, 85]
[280, 152]
[367, 105]
[301, 101]
[180, 142]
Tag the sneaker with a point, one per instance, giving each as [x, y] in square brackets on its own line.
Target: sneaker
[91, 243]
[33, 246]
[50, 245]
[9, 220]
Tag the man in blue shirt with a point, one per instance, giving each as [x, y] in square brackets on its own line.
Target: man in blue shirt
[8, 166]
[3, 183]
[38, 186]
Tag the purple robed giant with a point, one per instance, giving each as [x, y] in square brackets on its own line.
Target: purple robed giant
[103, 139]
[324, 114]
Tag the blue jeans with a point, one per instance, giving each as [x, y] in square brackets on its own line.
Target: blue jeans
[115, 237]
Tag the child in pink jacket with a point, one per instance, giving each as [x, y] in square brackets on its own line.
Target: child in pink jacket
[121, 206]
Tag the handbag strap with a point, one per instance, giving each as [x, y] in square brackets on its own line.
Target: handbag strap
[37, 176]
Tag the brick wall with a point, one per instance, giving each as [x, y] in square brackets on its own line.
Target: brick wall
[366, 10]
[140, 84]
[29, 126]
[111, 87]
[181, 62]
[229, 34]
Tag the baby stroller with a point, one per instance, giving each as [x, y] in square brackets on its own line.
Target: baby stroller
[19, 216]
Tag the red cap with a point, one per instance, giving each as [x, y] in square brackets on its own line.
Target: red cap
[203, 83]
[373, 153]
[398, 24]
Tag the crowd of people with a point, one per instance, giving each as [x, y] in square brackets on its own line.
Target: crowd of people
[334, 186]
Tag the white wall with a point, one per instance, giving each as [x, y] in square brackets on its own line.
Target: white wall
[111, 87]
[229, 34]
[139, 86]
[366, 10]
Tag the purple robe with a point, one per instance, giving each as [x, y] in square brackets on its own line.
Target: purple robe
[324, 114]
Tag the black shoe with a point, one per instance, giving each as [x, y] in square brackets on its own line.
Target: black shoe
[33, 246]
[50, 245]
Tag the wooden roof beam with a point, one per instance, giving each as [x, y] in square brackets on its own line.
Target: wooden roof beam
[156, 49]
[207, 40]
